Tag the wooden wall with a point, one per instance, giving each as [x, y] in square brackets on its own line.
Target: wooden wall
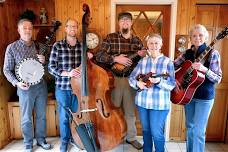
[9, 13]
[100, 13]
[7, 25]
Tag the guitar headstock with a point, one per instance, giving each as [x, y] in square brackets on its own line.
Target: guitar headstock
[222, 34]
[56, 25]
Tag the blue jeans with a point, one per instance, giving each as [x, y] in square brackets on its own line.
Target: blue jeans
[67, 99]
[197, 113]
[153, 123]
[33, 98]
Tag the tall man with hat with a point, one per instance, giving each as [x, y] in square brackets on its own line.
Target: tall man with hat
[114, 49]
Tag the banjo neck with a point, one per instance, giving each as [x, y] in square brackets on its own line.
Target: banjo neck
[44, 46]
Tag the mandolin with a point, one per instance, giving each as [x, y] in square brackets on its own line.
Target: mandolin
[122, 70]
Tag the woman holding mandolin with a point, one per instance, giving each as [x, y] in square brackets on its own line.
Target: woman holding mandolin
[153, 101]
[198, 110]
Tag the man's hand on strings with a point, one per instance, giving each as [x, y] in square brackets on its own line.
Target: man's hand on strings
[123, 59]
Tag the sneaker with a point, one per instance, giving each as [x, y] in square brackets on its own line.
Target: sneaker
[44, 145]
[63, 147]
[28, 148]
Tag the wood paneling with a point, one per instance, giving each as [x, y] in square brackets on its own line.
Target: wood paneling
[100, 15]
[51, 119]
[7, 34]
[9, 14]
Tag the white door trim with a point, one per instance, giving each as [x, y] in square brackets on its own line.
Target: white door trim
[173, 4]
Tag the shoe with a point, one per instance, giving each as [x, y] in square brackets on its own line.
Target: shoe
[28, 148]
[44, 145]
[137, 145]
[63, 147]
[73, 143]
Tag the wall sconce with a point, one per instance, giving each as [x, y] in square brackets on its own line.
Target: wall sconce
[181, 43]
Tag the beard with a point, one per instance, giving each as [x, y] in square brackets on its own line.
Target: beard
[125, 30]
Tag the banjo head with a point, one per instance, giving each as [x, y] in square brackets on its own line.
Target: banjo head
[29, 71]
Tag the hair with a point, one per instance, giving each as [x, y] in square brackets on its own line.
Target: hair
[70, 19]
[124, 14]
[150, 36]
[22, 21]
[200, 28]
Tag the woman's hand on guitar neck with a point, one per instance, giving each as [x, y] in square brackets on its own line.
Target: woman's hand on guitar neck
[123, 59]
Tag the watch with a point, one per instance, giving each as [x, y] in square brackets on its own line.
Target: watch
[92, 40]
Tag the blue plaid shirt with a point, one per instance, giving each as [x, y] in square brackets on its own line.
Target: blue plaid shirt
[64, 57]
[156, 97]
[15, 52]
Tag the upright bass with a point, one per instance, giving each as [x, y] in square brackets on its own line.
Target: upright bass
[95, 107]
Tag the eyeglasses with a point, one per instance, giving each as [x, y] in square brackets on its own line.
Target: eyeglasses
[72, 26]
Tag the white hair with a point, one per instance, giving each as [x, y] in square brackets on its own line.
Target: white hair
[200, 28]
[150, 36]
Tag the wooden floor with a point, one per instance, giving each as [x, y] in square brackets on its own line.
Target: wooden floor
[17, 146]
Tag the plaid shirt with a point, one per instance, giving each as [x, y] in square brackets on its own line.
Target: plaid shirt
[64, 58]
[214, 73]
[15, 52]
[115, 44]
[156, 97]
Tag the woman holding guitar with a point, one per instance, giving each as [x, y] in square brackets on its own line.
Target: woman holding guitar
[198, 110]
[153, 102]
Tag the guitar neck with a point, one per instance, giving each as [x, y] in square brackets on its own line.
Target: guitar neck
[206, 51]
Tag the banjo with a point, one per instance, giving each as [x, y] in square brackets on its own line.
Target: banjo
[30, 70]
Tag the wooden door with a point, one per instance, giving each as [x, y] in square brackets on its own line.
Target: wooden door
[148, 19]
[215, 19]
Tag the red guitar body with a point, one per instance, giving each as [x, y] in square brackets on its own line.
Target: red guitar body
[182, 94]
